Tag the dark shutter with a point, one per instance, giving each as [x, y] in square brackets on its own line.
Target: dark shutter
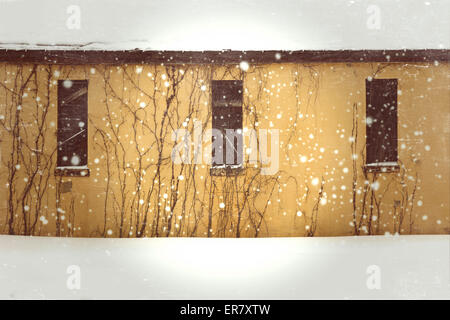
[72, 123]
[227, 114]
[381, 120]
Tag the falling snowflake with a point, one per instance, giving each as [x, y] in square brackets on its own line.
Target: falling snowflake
[244, 65]
[43, 220]
[67, 84]
[375, 185]
[75, 160]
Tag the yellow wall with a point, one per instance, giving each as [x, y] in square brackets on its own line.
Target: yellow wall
[313, 106]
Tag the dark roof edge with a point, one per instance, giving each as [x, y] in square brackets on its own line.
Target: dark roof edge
[77, 57]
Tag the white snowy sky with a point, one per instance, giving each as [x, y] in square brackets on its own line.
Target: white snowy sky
[228, 24]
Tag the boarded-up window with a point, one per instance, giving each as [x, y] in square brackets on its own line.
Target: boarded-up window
[72, 123]
[227, 119]
[381, 121]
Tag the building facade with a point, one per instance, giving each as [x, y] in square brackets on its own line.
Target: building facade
[224, 144]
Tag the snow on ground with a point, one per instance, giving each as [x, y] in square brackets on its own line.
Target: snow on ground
[195, 268]
[231, 24]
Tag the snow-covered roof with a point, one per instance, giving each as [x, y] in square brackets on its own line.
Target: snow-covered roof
[218, 24]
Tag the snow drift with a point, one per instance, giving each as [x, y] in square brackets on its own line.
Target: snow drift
[409, 267]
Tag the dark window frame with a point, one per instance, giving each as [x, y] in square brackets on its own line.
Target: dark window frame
[72, 130]
[227, 114]
[381, 125]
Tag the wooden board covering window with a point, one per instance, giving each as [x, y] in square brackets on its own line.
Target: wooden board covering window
[72, 124]
[227, 116]
[381, 122]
